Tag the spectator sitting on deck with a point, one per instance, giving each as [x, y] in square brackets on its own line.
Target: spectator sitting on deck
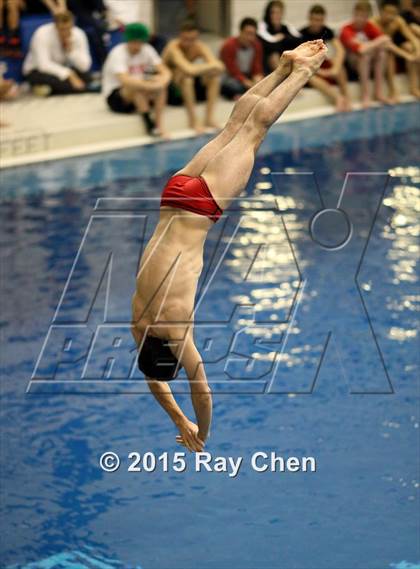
[404, 44]
[194, 80]
[412, 17]
[275, 36]
[134, 76]
[332, 69]
[242, 56]
[366, 47]
[58, 60]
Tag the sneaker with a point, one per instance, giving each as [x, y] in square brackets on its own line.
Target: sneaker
[41, 90]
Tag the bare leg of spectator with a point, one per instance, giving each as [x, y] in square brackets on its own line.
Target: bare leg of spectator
[364, 65]
[10, 17]
[13, 14]
[137, 97]
[343, 85]
[13, 20]
[159, 105]
[378, 70]
[186, 86]
[329, 91]
[212, 83]
[391, 69]
[413, 72]
[141, 101]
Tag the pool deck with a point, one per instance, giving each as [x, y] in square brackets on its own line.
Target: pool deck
[57, 127]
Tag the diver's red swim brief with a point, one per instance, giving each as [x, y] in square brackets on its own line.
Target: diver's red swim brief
[192, 194]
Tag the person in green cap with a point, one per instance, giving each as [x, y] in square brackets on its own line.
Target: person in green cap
[134, 76]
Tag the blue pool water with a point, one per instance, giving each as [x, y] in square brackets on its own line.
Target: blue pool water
[310, 352]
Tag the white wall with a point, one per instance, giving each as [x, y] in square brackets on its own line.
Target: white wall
[339, 11]
[209, 15]
[147, 12]
[129, 11]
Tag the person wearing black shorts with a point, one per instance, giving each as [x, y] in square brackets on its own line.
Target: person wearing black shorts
[135, 78]
[332, 72]
[193, 81]
[118, 104]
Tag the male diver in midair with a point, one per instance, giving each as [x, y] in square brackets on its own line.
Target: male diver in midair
[163, 304]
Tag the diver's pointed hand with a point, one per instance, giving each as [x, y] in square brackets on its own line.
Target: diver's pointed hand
[189, 436]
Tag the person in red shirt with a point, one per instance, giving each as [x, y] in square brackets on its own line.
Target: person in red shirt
[366, 47]
[243, 59]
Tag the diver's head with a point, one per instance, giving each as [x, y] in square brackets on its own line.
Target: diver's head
[156, 360]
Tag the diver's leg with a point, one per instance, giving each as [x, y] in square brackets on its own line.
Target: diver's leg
[228, 172]
[240, 113]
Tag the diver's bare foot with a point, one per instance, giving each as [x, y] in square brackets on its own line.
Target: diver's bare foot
[415, 93]
[306, 49]
[309, 56]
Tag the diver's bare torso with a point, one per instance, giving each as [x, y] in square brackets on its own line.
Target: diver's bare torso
[173, 259]
[168, 274]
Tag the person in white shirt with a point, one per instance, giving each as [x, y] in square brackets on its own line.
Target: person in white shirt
[58, 61]
[134, 76]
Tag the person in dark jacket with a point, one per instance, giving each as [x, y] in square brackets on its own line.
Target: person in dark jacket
[243, 59]
[275, 36]
[91, 17]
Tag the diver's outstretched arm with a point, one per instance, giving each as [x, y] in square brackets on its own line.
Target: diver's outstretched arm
[188, 430]
[189, 357]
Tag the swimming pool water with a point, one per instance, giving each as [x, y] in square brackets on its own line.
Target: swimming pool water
[345, 389]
